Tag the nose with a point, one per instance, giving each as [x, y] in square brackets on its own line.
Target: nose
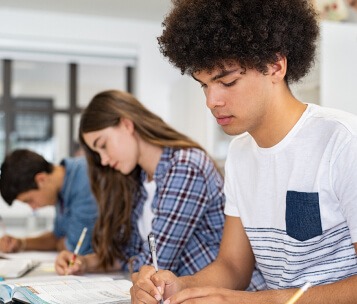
[213, 98]
[104, 159]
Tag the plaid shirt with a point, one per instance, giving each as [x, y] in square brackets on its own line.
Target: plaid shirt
[188, 213]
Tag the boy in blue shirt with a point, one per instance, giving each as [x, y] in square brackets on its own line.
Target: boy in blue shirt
[26, 176]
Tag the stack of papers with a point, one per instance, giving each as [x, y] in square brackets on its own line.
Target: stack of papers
[15, 268]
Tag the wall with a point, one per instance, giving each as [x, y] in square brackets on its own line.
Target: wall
[339, 66]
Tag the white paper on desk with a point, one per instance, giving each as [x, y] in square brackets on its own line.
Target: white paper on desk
[80, 291]
[10, 269]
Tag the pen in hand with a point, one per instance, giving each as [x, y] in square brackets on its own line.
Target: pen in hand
[78, 246]
[152, 245]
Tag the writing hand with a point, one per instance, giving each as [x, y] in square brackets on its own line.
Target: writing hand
[143, 289]
[62, 264]
[149, 286]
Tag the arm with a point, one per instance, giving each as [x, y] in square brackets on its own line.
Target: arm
[47, 241]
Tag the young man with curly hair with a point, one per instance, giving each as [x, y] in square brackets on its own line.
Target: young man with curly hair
[291, 173]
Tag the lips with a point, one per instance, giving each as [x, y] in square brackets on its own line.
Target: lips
[224, 120]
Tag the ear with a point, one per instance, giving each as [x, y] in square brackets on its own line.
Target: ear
[40, 179]
[127, 124]
[278, 69]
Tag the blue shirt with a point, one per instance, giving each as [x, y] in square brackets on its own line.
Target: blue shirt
[188, 213]
[76, 207]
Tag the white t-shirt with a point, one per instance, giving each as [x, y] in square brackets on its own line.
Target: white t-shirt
[298, 199]
[145, 220]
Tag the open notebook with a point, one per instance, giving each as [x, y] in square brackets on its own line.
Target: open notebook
[66, 290]
[15, 268]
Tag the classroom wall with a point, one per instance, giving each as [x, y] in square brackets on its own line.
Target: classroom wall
[339, 66]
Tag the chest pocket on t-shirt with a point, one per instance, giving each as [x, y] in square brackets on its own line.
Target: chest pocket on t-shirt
[302, 217]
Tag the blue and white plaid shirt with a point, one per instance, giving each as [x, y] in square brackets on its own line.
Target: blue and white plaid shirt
[188, 213]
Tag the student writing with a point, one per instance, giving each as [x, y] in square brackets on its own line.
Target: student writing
[291, 171]
[147, 177]
[28, 177]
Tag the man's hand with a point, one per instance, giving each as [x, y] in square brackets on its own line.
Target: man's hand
[150, 286]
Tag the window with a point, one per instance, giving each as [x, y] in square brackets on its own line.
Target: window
[41, 102]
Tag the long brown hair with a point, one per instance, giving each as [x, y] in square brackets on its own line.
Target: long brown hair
[113, 190]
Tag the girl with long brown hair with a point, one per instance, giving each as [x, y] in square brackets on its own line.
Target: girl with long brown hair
[147, 178]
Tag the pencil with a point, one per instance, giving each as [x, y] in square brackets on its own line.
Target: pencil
[78, 246]
[299, 293]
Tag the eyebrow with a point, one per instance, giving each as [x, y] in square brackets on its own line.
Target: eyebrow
[222, 74]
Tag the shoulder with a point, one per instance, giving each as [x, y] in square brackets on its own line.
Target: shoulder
[193, 158]
[183, 162]
[75, 164]
[76, 176]
[333, 119]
